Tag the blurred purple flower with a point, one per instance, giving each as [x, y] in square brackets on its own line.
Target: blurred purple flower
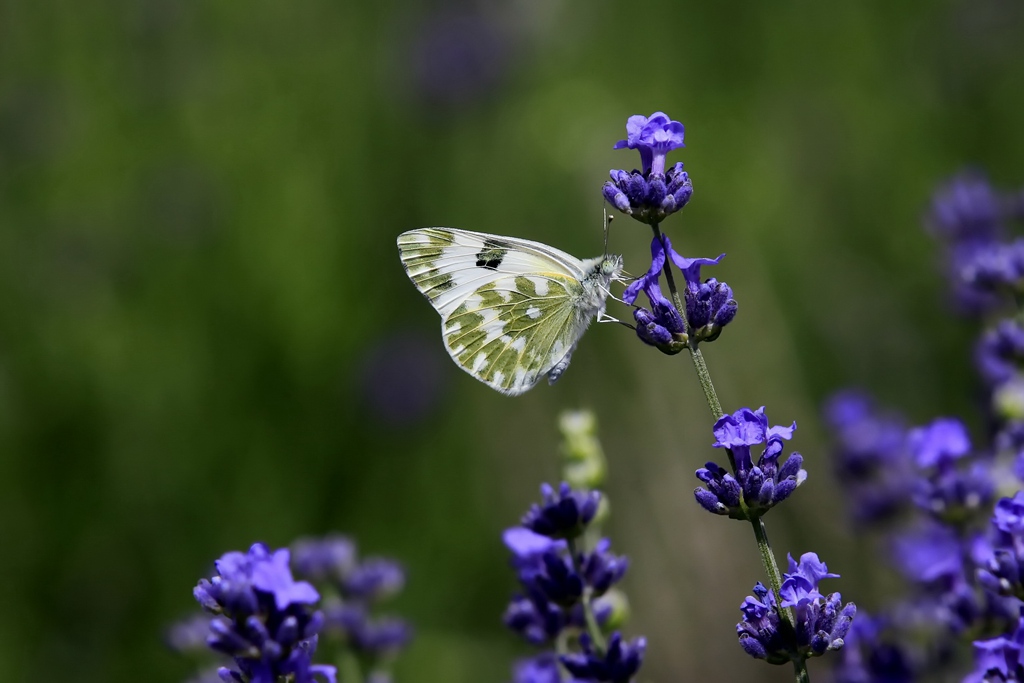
[375, 578]
[402, 380]
[871, 458]
[929, 554]
[617, 664]
[867, 658]
[564, 514]
[966, 209]
[330, 558]
[189, 634]
[540, 669]
[457, 58]
[998, 659]
[999, 354]
[942, 441]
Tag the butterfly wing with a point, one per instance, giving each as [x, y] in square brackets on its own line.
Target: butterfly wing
[508, 306]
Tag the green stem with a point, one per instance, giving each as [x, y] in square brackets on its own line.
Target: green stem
[588, 613]
[800, 671]
[771, 568]
[698, 359]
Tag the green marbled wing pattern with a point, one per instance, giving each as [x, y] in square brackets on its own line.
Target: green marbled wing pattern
[420, 251]
[510, 332]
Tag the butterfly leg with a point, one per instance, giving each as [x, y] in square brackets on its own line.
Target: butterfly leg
[556, 372]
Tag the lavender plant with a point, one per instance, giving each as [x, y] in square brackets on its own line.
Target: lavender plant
[790, 620]
[265, 625]
[568, 605]
[929, 494]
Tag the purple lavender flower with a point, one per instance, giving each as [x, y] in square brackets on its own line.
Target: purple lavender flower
[944, 489]
[941, 442]
[1001, 570]
[373, 638]
[999, 354]
[821, 621]
[555, 578]
[990, 268]
[653, 137]
[751, 490]
[330, 558]
[999, 659]
[264, 618]
[540, 669]
[758, 632]
[663, 326]
[931, 553]
[527, 546]
[933, 558]
[601, 569]
[955, 495]
[650, 194]
[373, 579]
[1008, 516]
[618, 664]
[562, 515]
[966, 209]
[709, 308]
[867, 658]
[649, 197]
[970, 216]
[871, 458]
[534, 618]
[661, 250]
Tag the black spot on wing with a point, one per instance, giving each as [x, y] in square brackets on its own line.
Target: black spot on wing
[492, 254]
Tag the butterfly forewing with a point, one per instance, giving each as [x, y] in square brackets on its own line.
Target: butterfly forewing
[507, 305]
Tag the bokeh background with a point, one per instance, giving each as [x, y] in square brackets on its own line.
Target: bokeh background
[206, 337]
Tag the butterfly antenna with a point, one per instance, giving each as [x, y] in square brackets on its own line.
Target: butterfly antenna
[607, 223]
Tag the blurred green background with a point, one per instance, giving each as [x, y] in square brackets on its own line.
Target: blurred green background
[207, 339]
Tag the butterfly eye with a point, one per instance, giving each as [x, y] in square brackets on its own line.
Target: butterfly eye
[610, 266]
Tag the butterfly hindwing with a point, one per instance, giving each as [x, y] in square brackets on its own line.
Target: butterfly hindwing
[511, 331]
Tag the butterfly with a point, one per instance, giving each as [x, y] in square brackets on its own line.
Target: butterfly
[512, 310]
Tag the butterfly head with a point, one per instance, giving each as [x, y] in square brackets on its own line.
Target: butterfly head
[611, 267]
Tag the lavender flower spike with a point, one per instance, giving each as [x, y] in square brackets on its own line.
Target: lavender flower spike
[265, 619]
[999, 659]
[650, 194]
[821, 622]
[751, 490]
[1002, 572]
